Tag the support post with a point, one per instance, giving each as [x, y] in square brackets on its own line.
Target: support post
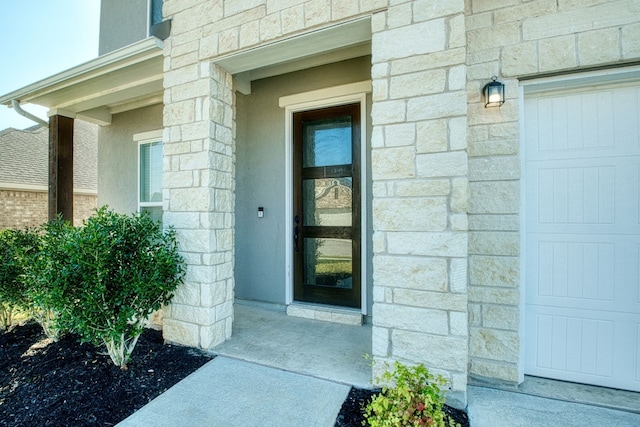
[61, 167]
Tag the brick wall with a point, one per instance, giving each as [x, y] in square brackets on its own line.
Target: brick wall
[19, 209]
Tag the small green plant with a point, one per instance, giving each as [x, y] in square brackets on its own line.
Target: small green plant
[412, 397]
[17, 249]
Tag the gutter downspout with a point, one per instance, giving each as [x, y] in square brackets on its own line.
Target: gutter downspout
[16, 106]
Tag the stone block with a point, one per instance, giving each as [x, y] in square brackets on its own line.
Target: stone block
[496, 168]
[399, 15]
[181, 76]
[506, 34]
[249, 34]
[503, 243]
[417, 84]
[182, 333]
[494, 271]
[448, 104]
[458, 275]
[270, 27]
[393, 163]
[493, 148]
[411, 272]
[438, 244]
[503, 346]
[213, 335]
[435, 165]
[178, 113]
[494, 370]
[418, 214]
[457, 78]
[445, 58]
[433, 300]
[212, 294]
[292, 19]
[400, 135]
[187, 294]
[519, 59]
[191, 199]
[202, 241]
[411, 319]
[459, 323]
[421, 188]
[177, 179]
[400, 42]
[459, 222]
[580, 19]
[475, 315]
[599, 47]
[438, 352]
[631, 41]
[388, 112]
[432, 136]
[486, 5]
[457, 32]
[558, 53]
[494, 222]
[501, 317]
[494, 197]
[459, 195]
[425, 10]
[193, 314]
[525, 10]
[481, 294]
[380, 340]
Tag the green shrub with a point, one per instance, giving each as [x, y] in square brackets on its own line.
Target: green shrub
[412, 398]
[103, 280]
[17, 250]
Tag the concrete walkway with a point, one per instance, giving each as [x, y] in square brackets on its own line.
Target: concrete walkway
[228, 392]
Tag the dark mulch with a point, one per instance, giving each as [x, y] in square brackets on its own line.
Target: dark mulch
[351, 412]
[66, 383]
[71, 384]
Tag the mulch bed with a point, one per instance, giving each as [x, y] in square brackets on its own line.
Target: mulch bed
[66, 383]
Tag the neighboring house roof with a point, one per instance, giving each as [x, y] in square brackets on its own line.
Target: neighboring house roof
[24, 157]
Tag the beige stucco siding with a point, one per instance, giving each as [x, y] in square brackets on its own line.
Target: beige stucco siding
[118, 157]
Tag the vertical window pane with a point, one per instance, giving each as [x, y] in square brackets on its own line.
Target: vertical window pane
[327, 142]
[328, 262]
[151, 172]
[327, 201]
[156, 11]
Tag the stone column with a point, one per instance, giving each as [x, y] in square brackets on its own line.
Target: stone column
[198, 180]
[420, 186]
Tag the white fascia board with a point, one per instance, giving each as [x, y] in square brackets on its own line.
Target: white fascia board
[126, 56]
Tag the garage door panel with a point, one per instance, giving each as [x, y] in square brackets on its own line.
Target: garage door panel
[582, 235]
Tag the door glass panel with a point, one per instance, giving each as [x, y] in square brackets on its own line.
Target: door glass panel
[326, 142]
[327, 201]
[328, 263]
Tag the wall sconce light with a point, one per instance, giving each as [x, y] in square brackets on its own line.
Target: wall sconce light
[493, 93]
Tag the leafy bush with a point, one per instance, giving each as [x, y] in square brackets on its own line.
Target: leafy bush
[17, 249]
[412, 398]
[102, 280]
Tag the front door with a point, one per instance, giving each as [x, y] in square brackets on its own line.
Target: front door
[326, 179]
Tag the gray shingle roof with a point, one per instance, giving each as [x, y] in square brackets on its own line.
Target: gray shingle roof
[24, 156]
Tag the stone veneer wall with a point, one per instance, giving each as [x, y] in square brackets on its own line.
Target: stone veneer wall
[20, 209]
[512, 39]
[419, 168]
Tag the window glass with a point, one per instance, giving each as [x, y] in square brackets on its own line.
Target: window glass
[156, 12]
[151, 172]
[327, 142]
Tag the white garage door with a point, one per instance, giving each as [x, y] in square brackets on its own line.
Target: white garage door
[582, 235]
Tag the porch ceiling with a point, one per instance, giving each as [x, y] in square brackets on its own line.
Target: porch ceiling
[116, 82]
[336, 43]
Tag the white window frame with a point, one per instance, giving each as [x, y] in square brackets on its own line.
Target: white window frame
[141, 139]
[329, 97]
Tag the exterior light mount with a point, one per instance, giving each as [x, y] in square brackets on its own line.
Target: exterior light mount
[493, 93]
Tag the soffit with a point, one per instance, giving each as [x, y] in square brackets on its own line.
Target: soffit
[118, 81]
[331, 44]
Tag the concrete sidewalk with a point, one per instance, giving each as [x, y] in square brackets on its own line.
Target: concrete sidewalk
[497, 408]
[228, 392]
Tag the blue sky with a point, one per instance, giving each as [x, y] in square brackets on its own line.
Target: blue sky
[39, 38]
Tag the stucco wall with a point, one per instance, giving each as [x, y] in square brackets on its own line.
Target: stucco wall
[122, 22]
[260, 179]
[512, 39]
[118, 157]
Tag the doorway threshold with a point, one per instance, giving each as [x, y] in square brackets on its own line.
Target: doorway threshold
[621, 400]
[326, 313]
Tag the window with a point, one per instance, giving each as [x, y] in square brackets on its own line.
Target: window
[155, 12]
[150, 174]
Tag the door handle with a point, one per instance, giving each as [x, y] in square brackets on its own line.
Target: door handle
[296, 233]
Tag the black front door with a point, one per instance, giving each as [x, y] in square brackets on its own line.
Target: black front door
[326, 172]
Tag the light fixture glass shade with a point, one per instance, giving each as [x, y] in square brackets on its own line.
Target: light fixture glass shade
[493, 93]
